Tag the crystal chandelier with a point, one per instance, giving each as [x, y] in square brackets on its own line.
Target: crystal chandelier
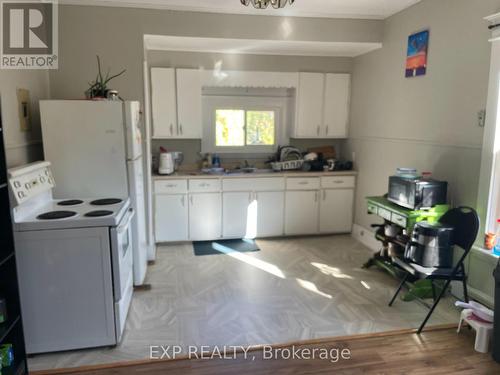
[262, 4]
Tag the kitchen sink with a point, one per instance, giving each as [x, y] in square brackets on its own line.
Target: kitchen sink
[247, 171]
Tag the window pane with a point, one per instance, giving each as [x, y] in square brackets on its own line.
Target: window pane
[260, 128]
[229, 127]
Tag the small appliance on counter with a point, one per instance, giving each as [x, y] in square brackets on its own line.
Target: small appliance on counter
[169, 162]
[431, 245]
[409, 190]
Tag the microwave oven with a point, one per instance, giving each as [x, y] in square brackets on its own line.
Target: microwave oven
[416, 193]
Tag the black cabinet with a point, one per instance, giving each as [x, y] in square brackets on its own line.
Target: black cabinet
[11, 330]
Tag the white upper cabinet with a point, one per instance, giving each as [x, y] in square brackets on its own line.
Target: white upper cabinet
[336, 106]
[164, 102]
[322, 105]
[189, 103]
[176, 103]
[310, 105]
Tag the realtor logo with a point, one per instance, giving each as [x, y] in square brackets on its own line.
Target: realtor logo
[29, 34]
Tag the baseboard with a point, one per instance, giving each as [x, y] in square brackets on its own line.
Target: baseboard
[366, 237]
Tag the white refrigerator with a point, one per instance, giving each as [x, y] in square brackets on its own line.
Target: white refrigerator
[95, 148]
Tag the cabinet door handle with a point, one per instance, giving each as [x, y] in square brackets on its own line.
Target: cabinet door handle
[324, 194]
[303, 183]
[180, 126]
[182, 201]
[327, 130]
[249, 197]
[191, 199]
[171, 129]
[318, 129]
[316, 196]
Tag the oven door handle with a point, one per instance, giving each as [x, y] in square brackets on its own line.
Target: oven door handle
[126, 221]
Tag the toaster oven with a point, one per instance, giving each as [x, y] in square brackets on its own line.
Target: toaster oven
[416, 193]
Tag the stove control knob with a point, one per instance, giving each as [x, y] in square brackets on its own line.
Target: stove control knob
[21, 194]
[42, 179]
[17, 184]
[27, 186]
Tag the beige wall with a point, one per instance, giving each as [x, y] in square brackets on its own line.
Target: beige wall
[22, 147]
[116, 35]
[427, 122]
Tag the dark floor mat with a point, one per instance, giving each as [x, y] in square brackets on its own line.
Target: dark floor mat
[224, 247]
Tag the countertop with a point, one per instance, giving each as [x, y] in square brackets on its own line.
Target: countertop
[199, 174]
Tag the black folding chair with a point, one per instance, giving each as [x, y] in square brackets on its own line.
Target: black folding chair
[465, 224]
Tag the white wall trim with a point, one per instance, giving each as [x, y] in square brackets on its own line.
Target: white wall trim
[242, 46]
[417, 141]
[366, 237]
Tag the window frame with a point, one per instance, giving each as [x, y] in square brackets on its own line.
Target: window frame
[253, 103]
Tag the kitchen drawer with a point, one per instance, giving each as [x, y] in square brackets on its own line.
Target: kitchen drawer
[303, 183]
[341, 182]
[170, 186]
[204, 185]
[373, 209]
[254, 184]
[398, 220]
[386, 214]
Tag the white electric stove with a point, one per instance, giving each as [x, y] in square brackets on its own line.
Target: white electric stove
[75, 264]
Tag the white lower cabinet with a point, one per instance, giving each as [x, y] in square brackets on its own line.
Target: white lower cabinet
[214, 208]
[205, 211]
[270, 213]
[236, 213]
[171, 217]
[301, 212]
[335, 210]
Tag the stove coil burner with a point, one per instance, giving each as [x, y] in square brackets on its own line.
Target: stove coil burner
[70, 202]
[106, 202]
[99, 213]
[55, 215]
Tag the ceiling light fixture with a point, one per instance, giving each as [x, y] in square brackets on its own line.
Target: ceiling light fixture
[262, 4]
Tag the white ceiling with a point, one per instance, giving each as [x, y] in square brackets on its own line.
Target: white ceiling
[257, 47]
[364, 9]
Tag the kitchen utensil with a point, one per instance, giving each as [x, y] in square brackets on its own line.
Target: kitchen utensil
[331, 164]
[391, 230]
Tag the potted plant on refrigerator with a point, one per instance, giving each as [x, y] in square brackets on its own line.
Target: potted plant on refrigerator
[99, 87]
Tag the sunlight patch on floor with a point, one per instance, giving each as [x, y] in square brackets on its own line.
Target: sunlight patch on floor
[331, 271]
[264, 266]
[313, 288]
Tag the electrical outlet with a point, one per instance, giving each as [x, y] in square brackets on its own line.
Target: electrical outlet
[481, 118]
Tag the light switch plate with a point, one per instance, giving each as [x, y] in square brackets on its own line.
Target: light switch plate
[481, 118]
[24, 105]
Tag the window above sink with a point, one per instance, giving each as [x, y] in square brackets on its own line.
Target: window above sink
[245, 121]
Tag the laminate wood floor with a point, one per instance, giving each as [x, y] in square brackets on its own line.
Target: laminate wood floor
[293, 289]
[434, 352]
